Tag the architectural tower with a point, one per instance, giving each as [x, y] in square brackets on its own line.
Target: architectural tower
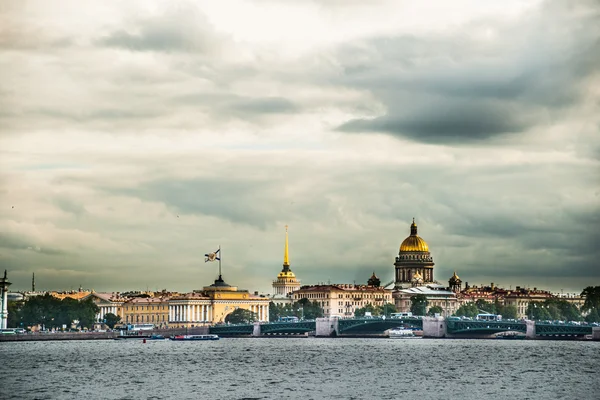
[286, 280]
[33, 282]
[455, 283]
[414, 264]
[4, 284]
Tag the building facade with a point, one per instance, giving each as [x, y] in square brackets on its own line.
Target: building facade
[414, 263]
[146, 310]
[108, 303]
[437, 295]
[213, 303]
[341, 300]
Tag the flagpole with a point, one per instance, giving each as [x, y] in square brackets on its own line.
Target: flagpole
[220, 256]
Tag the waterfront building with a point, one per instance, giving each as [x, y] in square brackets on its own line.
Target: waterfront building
[108, 303]
[341, 300]
[146, 310]
[4, 284]
[213, 303]
[521, 297]
[437, 295]
[73, 294]
[414, 264]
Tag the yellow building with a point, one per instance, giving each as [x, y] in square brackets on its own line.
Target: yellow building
[146, 310]
[108, 303]
[286, 281]
[213, 303]
[342, 300]
[414, 263]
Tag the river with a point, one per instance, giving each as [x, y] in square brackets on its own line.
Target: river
[301, 368]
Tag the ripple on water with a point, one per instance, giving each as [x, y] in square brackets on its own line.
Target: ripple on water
[299, 368]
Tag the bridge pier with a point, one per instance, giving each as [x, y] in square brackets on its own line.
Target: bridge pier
[434, 327]
[530, 333]
[326, 327]
[256, 330]
[596, 333]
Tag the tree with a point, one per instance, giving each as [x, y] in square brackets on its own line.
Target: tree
[593, 316]
[435, 310]
[592, 298]
[467, 310]
[388, 308]
[509, 312]
[111, 320]
[14, 314]
[305, 309]
[86, 313]
[241, 316]
[418, 304]
[538, 311]
[485, 306]
[360, 312]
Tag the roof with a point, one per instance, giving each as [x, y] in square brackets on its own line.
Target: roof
[426, 290]
[346, 287]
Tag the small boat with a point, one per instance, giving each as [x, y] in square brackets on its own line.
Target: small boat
[194, 337]
[510, 336]
[157, 337]
[403, 334]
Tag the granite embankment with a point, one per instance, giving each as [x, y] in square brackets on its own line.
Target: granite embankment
[41, 336]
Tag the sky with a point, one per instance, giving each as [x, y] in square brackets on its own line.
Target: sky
[137, 136]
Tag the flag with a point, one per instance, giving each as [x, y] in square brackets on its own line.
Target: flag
[212, 256]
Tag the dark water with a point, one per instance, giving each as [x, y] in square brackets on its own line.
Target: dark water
[303, 368]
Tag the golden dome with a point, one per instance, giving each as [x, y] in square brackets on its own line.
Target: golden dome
[286, 274]
[414, 242]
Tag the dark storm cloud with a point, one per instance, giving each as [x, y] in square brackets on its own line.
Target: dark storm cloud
[464, 88]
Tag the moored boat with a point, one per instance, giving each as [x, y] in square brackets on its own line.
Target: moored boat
[510, 335]
[194, 337]
[403, 334]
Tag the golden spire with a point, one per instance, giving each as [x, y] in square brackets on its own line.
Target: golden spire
[286, 253]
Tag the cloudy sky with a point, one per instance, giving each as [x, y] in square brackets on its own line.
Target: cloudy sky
[136, 137]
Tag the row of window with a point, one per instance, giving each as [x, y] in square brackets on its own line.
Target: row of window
[148, 318]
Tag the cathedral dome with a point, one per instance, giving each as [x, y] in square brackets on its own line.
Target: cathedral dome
[414, 242]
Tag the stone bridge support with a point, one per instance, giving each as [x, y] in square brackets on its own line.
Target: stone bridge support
[596, 333]
[434, 327]
[326, 327]
[530, 333]
[256, 330]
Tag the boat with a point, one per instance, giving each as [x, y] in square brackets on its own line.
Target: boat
[403, 334]
[194, 337]
[510, 336]
[157, 337]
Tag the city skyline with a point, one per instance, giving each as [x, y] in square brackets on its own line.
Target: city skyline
[136, 138]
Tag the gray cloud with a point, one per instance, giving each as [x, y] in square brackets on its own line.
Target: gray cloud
[462, 88]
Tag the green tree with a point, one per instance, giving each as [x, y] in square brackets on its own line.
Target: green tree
[241, 316]
[509, 312]
[467, 310]
[86, 313]
[388, 308]
[418, 304]
[14, 314]
[360, 312]
[435, 310]
[305, 309]
[485, 306]
[111, 320]
[538, 311]
[592, 298]
[593, 316]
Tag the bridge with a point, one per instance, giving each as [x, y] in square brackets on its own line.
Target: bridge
[468, 327]
[432, 327]
[374, 325]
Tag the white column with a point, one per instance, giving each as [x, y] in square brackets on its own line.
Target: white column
[268, 318]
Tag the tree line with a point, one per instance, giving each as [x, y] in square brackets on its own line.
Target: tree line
[50, 312]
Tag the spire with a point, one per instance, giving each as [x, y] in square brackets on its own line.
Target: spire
[413, 228]
[33, 282]
[286, 252]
